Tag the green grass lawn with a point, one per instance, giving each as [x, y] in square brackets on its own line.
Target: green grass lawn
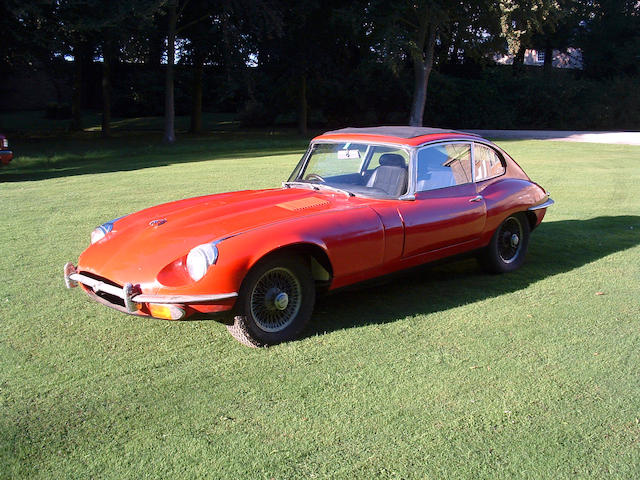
[34, 123]
[442, 373]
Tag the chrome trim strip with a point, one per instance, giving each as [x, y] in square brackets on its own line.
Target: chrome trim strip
[97, 285]
[183, 298]
[130, 297]
[546, 204]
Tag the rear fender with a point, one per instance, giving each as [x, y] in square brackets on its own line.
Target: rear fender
[506, 197]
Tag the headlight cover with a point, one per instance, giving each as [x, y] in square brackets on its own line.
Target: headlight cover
[101, 231]
[200, 259]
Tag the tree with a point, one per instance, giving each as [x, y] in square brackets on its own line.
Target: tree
[315, 40]
[201, 26]
[169, 103]
[610, 37]
[410, 30]
[216, 33]
[523, 20]
[86, 28]
[114, 27]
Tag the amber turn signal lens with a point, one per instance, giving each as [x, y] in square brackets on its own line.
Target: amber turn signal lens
[168, 312]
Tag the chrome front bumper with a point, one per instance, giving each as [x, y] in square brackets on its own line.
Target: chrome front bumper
[131, 295]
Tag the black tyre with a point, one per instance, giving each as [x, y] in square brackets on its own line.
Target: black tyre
[275, 302]
[508, 246]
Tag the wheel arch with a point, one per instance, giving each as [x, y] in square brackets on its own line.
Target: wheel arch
[319, 262]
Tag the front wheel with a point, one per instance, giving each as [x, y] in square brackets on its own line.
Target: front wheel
[508, 245]
[275, 302]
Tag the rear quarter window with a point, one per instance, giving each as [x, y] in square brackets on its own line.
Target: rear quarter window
[487, 163]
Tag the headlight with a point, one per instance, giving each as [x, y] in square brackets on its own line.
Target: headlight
[5, 143]
[200, 259]
[101, 231]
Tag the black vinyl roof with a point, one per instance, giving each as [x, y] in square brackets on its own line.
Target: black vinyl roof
[395, 131]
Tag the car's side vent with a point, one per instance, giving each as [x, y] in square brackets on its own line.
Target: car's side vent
[303, 203]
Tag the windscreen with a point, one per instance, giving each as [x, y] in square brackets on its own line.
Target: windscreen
[363, 169]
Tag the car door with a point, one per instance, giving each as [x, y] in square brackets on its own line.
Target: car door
[447, 210]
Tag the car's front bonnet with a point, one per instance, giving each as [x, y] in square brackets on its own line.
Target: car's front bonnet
[143, 243]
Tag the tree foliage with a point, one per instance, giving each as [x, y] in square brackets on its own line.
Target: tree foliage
[298, 61]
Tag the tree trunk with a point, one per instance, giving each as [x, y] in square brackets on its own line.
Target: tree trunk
[78, 84]
[422, 66]
[419, 93]
[548, 59]
[518, 60]
[107, 61]
[227, 44]
[156, 45]
[196, 106]
[302, 105]
[454, 48]
[169, 104]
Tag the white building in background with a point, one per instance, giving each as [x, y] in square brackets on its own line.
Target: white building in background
[569, 58]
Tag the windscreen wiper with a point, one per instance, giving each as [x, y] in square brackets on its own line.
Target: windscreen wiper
[318, 186]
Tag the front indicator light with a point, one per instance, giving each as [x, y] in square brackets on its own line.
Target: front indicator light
[167, 311]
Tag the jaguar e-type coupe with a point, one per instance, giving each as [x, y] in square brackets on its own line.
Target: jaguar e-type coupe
[361, 203]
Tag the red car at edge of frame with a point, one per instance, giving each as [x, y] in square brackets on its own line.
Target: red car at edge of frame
[361, 203]
[6, 155]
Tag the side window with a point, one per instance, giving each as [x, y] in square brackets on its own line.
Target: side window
[487, 163]
[443, 165]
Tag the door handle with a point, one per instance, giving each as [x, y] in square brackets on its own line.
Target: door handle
[476, 198]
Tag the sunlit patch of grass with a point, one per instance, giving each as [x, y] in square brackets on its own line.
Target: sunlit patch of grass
[441, 372]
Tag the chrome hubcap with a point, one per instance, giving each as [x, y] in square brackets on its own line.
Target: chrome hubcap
[515, 240]
[281, 301]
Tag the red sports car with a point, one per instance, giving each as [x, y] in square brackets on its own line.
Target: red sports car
[5, 154]
[362, 202]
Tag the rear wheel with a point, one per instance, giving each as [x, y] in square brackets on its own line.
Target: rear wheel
[508, 246]
[275, 302]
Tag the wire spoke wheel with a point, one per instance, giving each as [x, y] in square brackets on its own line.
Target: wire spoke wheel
[508, 246]
[510, 237]
[275, 302]
[276, 299]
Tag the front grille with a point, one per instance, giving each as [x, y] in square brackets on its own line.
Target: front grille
[107, 297]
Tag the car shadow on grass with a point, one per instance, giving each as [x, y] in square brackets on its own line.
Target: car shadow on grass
[554, 248]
